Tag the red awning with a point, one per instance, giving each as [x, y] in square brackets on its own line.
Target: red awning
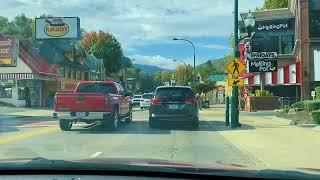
[35, 61]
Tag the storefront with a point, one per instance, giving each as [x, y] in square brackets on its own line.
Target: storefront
[29, 82]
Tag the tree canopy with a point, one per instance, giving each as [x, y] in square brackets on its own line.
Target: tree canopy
[21, 26]
[104, 46]
[274, 4]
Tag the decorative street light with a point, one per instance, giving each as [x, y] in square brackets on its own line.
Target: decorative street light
[249, 23]
[185, 70]
[194, 55]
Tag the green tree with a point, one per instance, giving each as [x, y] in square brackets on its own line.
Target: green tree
[104, 46]
[183, 74]
[274, 4]
[21, 27]
[204, 87]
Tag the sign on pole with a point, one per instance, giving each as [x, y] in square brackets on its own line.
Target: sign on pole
[262, 55]
[9, 48]
[57, 28]
[236, 82]
[262, 66]
[235, 67]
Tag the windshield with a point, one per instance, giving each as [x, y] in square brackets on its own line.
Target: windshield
[96, 88]
[147, 96]
[224, 83]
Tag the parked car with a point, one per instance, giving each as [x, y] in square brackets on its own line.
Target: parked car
[91, 101]
[136, 100]
[146, 100]
[174, 104]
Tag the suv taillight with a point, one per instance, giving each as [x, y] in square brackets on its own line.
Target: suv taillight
[108, 100]
[191, 101]
[156, 101]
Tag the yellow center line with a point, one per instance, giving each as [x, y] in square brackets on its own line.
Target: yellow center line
[30, 134]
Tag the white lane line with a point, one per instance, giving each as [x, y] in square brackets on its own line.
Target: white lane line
[95, 154]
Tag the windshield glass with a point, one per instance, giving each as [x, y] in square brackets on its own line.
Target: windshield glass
[224, 83]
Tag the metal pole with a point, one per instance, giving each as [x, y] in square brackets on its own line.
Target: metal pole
[227, 111]
[235, 100]
[261, 82]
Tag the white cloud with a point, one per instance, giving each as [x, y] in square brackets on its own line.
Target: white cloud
[136, 22]
[213, 46]
[156, 60]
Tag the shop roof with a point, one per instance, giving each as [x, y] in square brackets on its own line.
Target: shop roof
[34, 60]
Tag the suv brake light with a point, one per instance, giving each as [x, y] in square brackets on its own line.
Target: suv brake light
[191, 101]
[156, 101]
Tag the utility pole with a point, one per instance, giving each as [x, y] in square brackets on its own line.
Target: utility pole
[235, 92]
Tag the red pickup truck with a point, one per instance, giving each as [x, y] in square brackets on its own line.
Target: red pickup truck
[92, 101]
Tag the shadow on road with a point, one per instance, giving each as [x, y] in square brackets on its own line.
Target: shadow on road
[142, 127]
[23, 120]
[8, 129]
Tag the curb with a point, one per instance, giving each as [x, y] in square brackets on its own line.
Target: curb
[317, 129]
[282, 120]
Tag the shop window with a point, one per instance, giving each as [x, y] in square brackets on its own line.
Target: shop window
[286, 44]
[258, 44]
[314, 18]
[5, 92]
[78, 75]
[74, 74]
[273, 44]
[69, 72]
[86, 76]
[21, 93]
[62, 71]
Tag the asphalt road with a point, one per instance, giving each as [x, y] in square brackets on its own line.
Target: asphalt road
[23, 136]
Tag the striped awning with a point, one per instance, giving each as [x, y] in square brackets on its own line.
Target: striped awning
[16, 76]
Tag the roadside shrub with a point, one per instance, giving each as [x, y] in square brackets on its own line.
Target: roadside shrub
[299, 105]
[316, 116]
[317, 89]
[311, 105]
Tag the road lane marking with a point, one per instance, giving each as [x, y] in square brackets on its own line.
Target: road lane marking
[27, 135]
[96, 154]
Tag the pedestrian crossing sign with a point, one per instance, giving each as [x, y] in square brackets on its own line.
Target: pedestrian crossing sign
[235, 67]
[235, 82]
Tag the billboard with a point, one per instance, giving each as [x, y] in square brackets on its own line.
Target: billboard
[57, 28]
[9, 48]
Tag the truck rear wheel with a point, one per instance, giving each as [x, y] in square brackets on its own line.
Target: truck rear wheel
[65, 125]
[114, 121]
[129, 118]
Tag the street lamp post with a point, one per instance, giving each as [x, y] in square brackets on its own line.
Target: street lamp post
[194, 55]
[185, 70]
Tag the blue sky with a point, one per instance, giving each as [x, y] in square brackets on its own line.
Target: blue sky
[145, 28]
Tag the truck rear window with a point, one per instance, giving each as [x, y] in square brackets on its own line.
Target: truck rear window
[96, 88]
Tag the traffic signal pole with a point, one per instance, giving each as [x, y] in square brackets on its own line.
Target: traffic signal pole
[235, 91]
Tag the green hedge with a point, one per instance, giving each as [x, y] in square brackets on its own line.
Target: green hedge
[316, 116]
[317, 89]
[299, 105]
[311, 105]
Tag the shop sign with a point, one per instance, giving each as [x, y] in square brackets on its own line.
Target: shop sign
[262, 65]
[275, 25]
[57, 28]
[262, 55]
[8, 50]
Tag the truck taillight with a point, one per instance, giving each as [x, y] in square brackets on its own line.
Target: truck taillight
[108, 100]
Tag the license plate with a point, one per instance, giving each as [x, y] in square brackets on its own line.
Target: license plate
[80, 114]
[173, 106]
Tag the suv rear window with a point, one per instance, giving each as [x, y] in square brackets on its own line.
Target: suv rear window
[173, 94]
[147, 96]
[96, 88]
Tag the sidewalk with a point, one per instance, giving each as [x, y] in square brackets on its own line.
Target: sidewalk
[19, 111]
[274, 143]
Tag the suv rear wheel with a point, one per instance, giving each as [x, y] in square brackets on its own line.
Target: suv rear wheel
[151, 123]
[65, 125]
[195, 123]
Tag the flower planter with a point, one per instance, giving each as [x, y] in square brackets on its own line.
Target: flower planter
[255, 103]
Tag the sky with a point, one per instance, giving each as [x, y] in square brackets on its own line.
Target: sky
[145, 28]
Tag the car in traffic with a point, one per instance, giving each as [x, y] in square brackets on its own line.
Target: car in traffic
[136, 100]
[176, 104]
[92, 101]
[145, 100]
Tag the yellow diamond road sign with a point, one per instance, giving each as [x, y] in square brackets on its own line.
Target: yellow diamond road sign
[235, 67]
[235, 82]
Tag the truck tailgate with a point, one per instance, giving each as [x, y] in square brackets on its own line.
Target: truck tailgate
[82, 102]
